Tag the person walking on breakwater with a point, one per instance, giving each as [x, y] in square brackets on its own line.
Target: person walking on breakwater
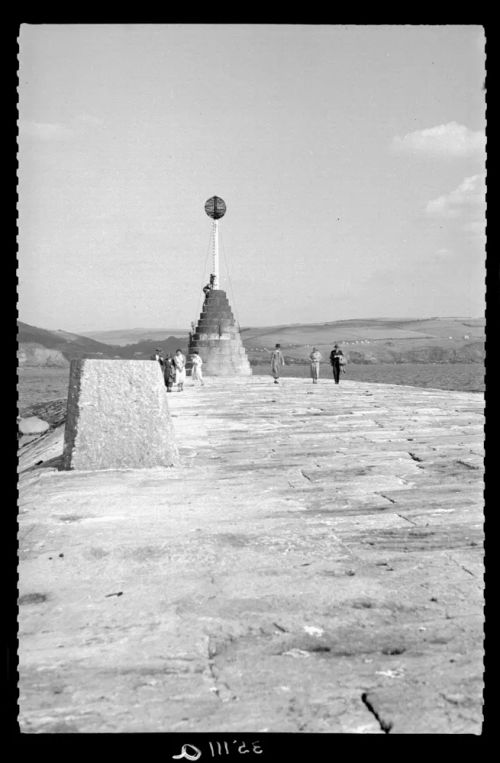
[315, 358]
[179, 362]
[337, 361]
[277, 360]
[158, 356]
[196, 373]
[169, 372]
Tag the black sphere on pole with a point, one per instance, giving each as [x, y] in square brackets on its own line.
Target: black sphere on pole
[215, 207]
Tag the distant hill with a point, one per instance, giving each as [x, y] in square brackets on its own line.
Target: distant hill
[144, 349]
[364, 329]
[35, 342]
[431, 340]
[381, 340]
[123, 337]
[40, 347]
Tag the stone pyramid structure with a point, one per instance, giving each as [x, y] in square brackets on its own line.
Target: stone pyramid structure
[217, 339]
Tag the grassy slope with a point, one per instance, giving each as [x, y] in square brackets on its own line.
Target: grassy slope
[71, 345]
[75, 346]
[385, 340]
[124, 337]
[382, 340]
[380, 329]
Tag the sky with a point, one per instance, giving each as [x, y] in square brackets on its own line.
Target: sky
[351, 160]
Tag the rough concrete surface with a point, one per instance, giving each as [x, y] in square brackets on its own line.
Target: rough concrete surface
[117, 416]
[313, 564]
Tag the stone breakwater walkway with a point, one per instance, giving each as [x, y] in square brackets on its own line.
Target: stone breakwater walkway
[314, 565]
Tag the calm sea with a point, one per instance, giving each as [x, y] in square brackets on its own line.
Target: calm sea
[467, 377]
[39, 385]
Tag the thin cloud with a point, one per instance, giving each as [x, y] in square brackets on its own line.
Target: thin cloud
[466, 204]
[476, 227]
[468, 198]
[90, 120]
[45, 130]
[450, 140]
[54, 131]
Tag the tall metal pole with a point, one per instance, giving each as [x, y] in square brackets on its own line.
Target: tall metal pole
[215, 207]
[216, 254]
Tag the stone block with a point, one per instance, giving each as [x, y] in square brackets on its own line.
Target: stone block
[32, 425]
[117, 416]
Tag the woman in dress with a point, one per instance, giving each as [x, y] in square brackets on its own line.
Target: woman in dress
[196, 373]
[315, 358]
[277, 360]
[179, 362]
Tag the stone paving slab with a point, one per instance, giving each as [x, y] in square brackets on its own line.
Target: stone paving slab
[293, 573]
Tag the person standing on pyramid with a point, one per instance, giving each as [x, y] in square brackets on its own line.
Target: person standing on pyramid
[196, 373]
[277, 360]
[179, 362]
[209, 286]
[315, 358]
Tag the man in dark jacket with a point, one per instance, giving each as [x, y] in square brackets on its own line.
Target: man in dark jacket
[168, 372]
[336, 359]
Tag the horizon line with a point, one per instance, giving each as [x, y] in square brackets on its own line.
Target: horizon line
[242, 327]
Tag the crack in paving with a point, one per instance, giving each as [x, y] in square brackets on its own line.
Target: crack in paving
[407, 519]
[469, 466]
[414, 457]
[465, 569]
[220, 688]
[387, 497]
[371, 704]
[213, 583]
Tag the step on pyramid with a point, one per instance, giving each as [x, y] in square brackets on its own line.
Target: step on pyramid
[217, 339]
